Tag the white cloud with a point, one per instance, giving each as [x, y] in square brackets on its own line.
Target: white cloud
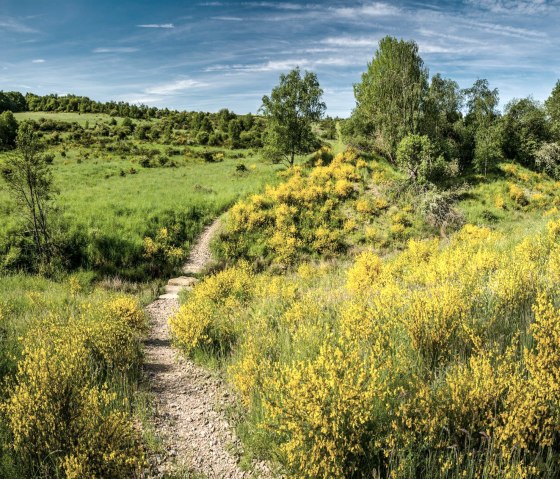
[156, 25]
[174, 87]
[228, 19]
[516, 6]
[351, 41]
[270, 66]
[115, 50]
[507, 30]
[140, 100]
[279, 5]
[38, 60]
[433, 48]
[285, 65]
[13, 25]
[375, 9]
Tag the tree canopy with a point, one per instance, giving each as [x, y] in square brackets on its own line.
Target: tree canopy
[389, 97]
[291, 108]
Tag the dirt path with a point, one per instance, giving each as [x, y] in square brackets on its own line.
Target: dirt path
[195, 434]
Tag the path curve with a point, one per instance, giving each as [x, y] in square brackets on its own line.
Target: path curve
[196, 435]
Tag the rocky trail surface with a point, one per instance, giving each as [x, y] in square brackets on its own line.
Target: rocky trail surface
[197, 438]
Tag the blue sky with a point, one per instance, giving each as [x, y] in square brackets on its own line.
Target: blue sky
[207, 55]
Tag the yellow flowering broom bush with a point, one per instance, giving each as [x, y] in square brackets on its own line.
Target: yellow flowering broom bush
[441, 361]
[65, 412]
[301, 216]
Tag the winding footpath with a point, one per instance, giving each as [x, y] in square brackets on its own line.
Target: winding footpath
[189, 400]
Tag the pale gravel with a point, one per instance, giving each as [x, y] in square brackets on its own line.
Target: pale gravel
[189, 400]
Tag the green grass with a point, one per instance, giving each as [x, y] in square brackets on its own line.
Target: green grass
[109, 202]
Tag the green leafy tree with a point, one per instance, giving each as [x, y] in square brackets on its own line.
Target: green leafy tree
[482, 103]
[235, 127]
[28, 179]
[442, 112]
[390, 97]
[552, 105]
[290, 110]
[480, 138]
[525, 129]
[488, 148]
[547, 159]
[417, 157]
[8, 130]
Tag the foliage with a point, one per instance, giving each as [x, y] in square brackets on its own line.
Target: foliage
[28, 180]
[438, 362]
[525, 128]
[291, 108]
[488, 149]
[552, 105]
[303, 216]
[547, 159]
[102, 224]
[389, 97]
[481, 103]
[417, 157]
[66, 404]
[8, 130]
[12, 101]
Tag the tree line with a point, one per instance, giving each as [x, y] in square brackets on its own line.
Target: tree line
[396, 99]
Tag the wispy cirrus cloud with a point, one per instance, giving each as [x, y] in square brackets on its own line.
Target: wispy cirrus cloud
[351, 42]
[156, 25]
[175, 87]
[115, 50]
[375, 9]
[38, 60]
[526, 7]
[508, 30]
[279, 5]
[13, 25]
[227, 19]
[269, 66]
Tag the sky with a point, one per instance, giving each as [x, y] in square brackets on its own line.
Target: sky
[208, 55]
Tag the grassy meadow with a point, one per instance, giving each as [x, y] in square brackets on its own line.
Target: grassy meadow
[108, 202]
[368, 325]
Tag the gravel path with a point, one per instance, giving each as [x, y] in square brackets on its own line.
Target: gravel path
[189, 400]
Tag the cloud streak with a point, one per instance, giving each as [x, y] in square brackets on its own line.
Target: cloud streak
[156, 25]
[175, 87]
[115, 50]
[12, 25]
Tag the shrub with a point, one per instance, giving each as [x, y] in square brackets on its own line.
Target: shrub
[63, 415]
[228, 291]
[547, 159]
[440, 361]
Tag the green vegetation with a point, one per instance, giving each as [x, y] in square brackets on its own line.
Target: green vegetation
[69, 362]
[117, 190]
[388, 309]
[290, 110]
[393, 312]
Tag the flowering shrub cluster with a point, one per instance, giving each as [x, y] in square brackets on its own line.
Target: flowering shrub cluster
[302, 216]
[442, 361]
[161, 252]
[65, 412]
[528, 190]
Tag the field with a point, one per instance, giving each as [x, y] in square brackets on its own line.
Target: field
[80, 118]
[109, 203]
